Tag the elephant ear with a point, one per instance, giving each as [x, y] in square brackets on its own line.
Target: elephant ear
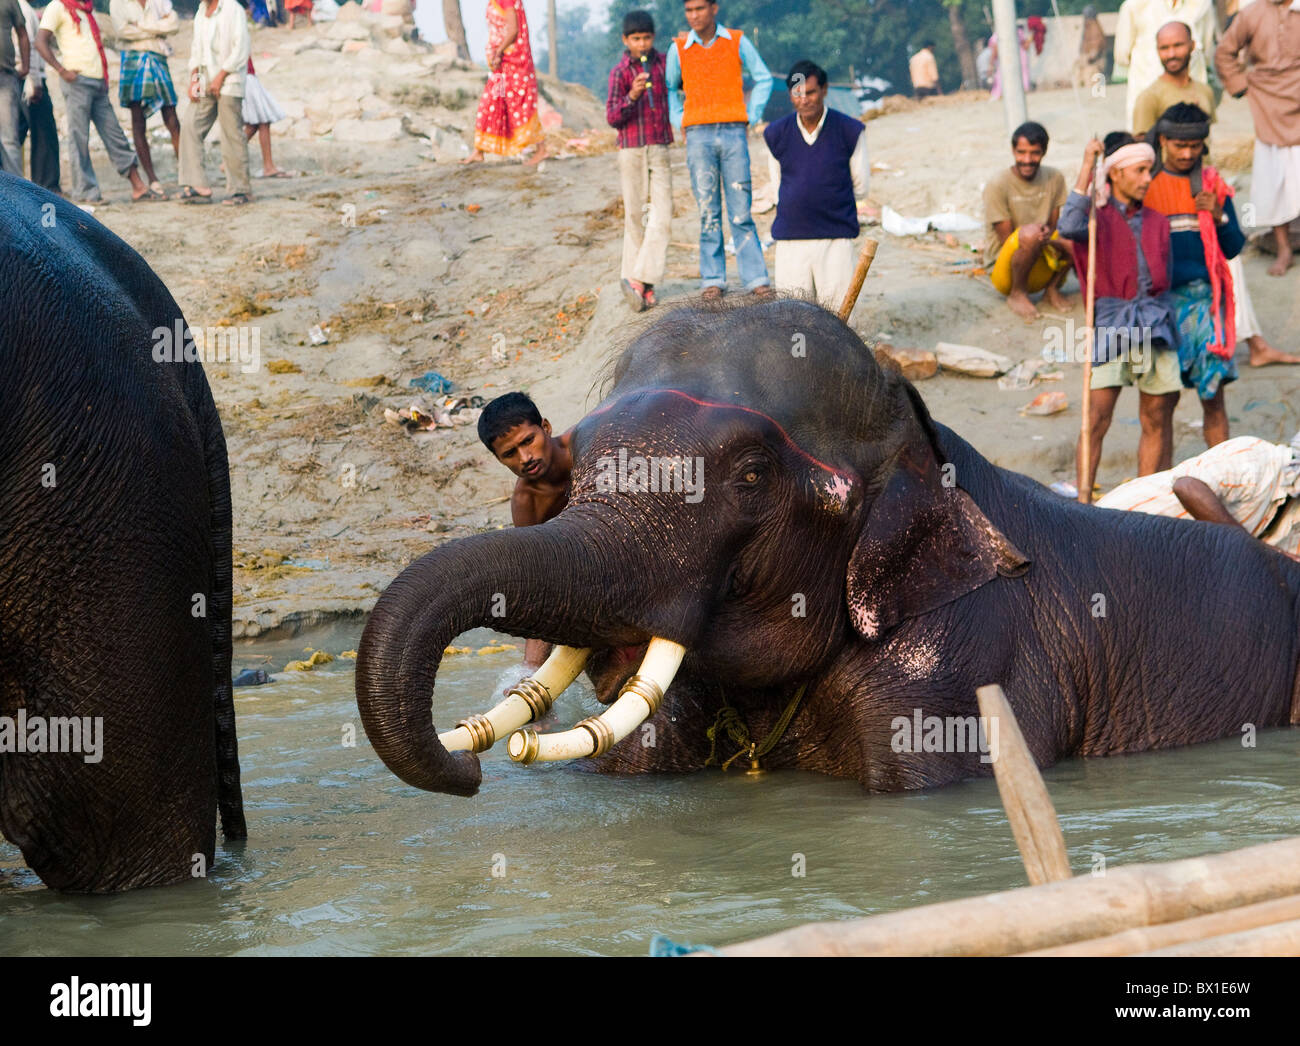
[924, 544]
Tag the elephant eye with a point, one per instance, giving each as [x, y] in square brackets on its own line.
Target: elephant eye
[751, 476]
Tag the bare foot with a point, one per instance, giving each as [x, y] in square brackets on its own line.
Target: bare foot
[1262, 353]
[1022, 306]
[1279, 267]
[1058, 301]
[475, 157]
[537, 156]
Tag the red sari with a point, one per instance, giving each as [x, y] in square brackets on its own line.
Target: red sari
[507, 113]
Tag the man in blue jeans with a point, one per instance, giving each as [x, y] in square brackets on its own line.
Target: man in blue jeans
[708, 66]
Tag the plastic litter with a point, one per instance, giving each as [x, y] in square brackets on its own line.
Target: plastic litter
[1066, 490]
[433, 383]
[317, 336]
[944, 221]
[251, 677]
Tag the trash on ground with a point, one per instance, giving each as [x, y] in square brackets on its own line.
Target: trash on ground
[433, 383]
[943, 221]
[251, 677]
[317, 336]
[972, 360]
[1046, 403]
[1066, 490]
[913, 364]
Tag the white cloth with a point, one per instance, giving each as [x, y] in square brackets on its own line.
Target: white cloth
[1247, 322]
[1258, 483]
[1135, 41]
[1275, 184]
[259, 106]
[221, 41]
[822, 269]
[859, 164]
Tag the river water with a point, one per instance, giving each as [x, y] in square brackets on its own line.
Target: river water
[344, 859]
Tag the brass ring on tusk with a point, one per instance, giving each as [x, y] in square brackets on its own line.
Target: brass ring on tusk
[646, 689]
[523, 746]
[482, 734]
[535, 695]
[600, 733]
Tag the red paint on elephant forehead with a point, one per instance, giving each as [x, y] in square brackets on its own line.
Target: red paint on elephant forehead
[846, 477]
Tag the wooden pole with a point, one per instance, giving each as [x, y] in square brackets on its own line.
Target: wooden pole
[1034, 917]
[1148, 938]
[1029, 808]
[1090, 316]
[1280, 939]
[859, 277]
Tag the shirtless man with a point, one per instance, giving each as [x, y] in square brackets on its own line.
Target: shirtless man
[515, 431]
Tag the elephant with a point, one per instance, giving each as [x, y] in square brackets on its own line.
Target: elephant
[849, 568]
[115, 565]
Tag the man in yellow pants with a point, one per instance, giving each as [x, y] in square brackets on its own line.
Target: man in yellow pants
[1021, 206]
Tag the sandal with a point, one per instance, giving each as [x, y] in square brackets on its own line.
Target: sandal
[188, 195]
[149, 196]
[634, 297]
[237, 199]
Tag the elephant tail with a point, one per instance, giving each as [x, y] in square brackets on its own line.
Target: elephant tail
[230, 801]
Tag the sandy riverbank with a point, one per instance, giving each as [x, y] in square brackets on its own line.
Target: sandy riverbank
[501, 277]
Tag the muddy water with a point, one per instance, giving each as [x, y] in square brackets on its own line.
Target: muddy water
[344, 859]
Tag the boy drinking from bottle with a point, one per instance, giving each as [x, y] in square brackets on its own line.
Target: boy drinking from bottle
[637, 108]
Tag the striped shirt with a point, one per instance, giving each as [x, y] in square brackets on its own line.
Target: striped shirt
[1258, 483]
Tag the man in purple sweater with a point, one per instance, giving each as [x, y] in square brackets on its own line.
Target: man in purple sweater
[820, 172]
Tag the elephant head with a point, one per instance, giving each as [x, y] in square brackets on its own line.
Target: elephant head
[753, 489]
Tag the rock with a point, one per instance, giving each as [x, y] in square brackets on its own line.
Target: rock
[293, 108]
[913, 364]
[373, 107]
[401, 8]
[329, 45]
[398, 46]
[347, 30]
[366, 131]
[389, 25]
[356, 46]
[349, 13]
[968, 359]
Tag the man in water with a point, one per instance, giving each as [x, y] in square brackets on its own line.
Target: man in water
[514, 430]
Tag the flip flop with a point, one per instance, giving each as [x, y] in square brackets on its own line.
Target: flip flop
[281, 174]
[236, 200]
[188, 195]
[634, 297]
[148, 196]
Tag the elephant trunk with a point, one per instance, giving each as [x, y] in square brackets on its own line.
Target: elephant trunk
[547, 582]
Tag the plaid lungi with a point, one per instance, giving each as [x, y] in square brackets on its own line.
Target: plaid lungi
[145, 78]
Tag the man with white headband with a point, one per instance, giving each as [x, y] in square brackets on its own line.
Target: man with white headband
[1135, 339]
[1268, 32]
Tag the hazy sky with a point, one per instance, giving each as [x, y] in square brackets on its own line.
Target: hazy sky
[428, 16]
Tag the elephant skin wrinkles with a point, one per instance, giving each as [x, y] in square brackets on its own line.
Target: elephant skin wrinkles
[939, 573]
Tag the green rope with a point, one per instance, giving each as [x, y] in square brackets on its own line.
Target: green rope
[730, 721]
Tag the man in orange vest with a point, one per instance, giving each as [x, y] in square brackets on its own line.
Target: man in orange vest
[708, 66]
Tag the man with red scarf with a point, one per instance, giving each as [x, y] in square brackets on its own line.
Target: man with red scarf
[83, 67]
[1203, 236]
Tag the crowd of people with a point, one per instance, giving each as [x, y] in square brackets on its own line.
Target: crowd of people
[1171, 298]
[64, 42]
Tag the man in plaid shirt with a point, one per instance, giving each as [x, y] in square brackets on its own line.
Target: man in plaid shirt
[638, 108]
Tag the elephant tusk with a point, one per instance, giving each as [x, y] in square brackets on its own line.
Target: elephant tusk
[639, 699]
[526, 701]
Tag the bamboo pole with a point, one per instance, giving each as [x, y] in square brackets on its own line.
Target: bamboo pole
[1034, 917]
[865, 258]
[1277, 940]
[1090, 318]
[1203, 927]
[1024, 796]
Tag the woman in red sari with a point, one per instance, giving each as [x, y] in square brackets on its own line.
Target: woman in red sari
[507, 121]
